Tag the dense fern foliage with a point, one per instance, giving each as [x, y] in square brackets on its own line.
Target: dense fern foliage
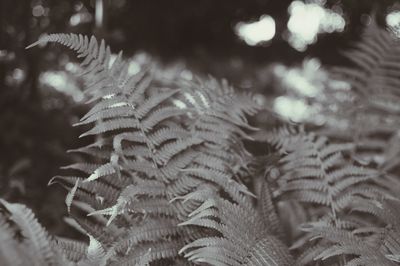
[170, 178]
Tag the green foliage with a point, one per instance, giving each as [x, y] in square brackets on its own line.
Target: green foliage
[169, 178]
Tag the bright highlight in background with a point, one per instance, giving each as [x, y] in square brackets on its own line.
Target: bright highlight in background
[291, 108]
[257, 32]
[393, 21]
[307, 20]
[61, 82]
[308, 80]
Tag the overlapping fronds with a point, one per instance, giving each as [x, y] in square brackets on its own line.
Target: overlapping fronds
[369, 110]
[26, 242]
[316, 172]
[377, 244]
[37, 244]
[169, 180]
[376, 69]
[155, 146]
[358, 249]
[241, 237]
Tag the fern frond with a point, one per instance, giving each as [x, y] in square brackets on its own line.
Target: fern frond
[152, 153]
[316, 172]
[375, 58]
[73, 250]
[268, 211]
[33, 232]
[348, 243]
[150, 253]
[244, 237]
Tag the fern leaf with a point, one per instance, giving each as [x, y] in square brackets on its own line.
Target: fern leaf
[243, 238]
[70, 196]
[73, 250]
[105, 169]
[95, 252]
[34, 233]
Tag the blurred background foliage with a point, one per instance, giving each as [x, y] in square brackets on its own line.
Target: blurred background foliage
[273, 48]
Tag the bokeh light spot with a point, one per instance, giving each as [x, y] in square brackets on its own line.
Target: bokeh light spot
[257, 32]
[38, 11]
[307, 20]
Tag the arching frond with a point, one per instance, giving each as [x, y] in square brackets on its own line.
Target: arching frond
[35, 236]
[242, 238]
[152, 154]
[316, 172]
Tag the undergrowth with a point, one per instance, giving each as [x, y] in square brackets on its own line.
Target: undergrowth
[171, 179]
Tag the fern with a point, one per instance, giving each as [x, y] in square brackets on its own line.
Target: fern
[375, 74]
[35, 247]
[163, 150]
[372, 245]
[33, 233]
[369, 110]
[242, 239]
[169, 179]
[361, 251]
[316, 172]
